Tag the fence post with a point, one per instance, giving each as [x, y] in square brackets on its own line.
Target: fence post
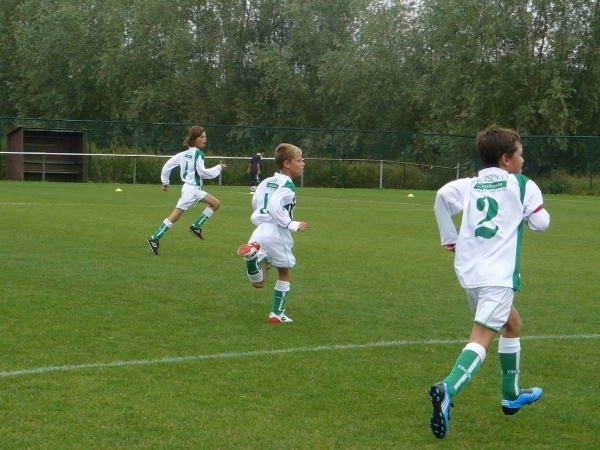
[302, 178]
[591, 163]
[457, 170]
[404, 160]
[381, 174]
[44, 167]
[220, 173]
[174, 139]
[134, 168]
[532, 157]
[1, 156]
[332, 149]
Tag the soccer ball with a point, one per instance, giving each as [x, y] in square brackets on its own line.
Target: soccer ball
[253, 188]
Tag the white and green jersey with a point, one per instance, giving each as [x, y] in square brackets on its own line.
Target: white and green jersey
[191, 166]
[494, 205]
[274, 201]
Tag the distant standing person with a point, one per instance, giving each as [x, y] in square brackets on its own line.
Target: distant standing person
[495, 204]
[254, 167]
[271, 243]
[192, 170]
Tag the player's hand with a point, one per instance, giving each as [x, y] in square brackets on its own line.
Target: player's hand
[302, 226]
[165, 187]
[223, 166]
[450, 247]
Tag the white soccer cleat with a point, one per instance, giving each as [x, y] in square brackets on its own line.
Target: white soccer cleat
[249, 251]
[281, 318]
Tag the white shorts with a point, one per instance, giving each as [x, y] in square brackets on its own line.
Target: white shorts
[491, 305]
[190, 195]
[275, 245]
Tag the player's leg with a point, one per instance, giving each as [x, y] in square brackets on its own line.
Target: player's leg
[256, 263]
[280, 252]
[492, 307]
[167, 223]
[256, 255]
[213, 205]
[163, 228]
[509, 352]
[470, 359]
[282, 290]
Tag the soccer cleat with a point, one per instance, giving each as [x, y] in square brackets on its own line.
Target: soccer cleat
[249, 250]
[526, 396]
[196, 232]
[441, 403]
[153, 243]
[281, 318]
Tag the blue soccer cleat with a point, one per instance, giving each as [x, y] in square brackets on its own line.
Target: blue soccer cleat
[526, 396]
[441, 403]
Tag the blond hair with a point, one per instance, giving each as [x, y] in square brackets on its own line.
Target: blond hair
[285, 152]
[194, 133]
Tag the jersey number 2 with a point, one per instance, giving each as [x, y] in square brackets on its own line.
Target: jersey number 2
[492, 211]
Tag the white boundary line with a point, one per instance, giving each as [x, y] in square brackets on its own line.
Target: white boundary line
[231, 355]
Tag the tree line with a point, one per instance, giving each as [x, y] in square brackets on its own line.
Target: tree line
[445, 66]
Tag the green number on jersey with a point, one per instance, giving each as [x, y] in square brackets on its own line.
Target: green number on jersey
[264, 209]
[492, 211]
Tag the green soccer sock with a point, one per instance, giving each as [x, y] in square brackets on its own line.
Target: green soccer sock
[282, 289]
[252, 266]
[164, 227]
[206, 214]
[465, 368]
[509, 351]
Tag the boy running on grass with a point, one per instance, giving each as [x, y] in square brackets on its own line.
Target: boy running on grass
[191, 166]
[271, 243]
[495, 204]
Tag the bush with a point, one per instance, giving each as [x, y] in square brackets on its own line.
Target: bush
[560, 182]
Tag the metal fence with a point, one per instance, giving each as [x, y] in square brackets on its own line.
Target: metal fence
[551, 157]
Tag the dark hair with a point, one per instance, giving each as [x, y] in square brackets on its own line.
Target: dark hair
[194, 133]
[493, 142]
[262, 150]
[285, 152]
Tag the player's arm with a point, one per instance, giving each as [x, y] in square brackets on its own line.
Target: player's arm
[534, 214]
[167, 168]
[448, 202]
[277, 200]
[207, 174]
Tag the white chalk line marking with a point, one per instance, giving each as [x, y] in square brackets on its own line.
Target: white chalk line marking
[232, 355]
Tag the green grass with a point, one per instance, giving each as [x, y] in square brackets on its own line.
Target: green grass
[80, 286]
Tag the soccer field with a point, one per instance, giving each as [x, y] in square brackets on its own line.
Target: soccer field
[105, 346]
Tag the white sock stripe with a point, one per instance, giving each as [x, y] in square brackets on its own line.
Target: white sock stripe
[518, 373]
[177, 359]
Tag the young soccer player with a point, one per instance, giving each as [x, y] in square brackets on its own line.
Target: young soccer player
[254, 169]
[494, 204]
[271, 243]
[191, 164]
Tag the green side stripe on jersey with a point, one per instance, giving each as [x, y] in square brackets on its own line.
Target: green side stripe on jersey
[290, 185]
[517, 272]
[196, 156]
[522, 180]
